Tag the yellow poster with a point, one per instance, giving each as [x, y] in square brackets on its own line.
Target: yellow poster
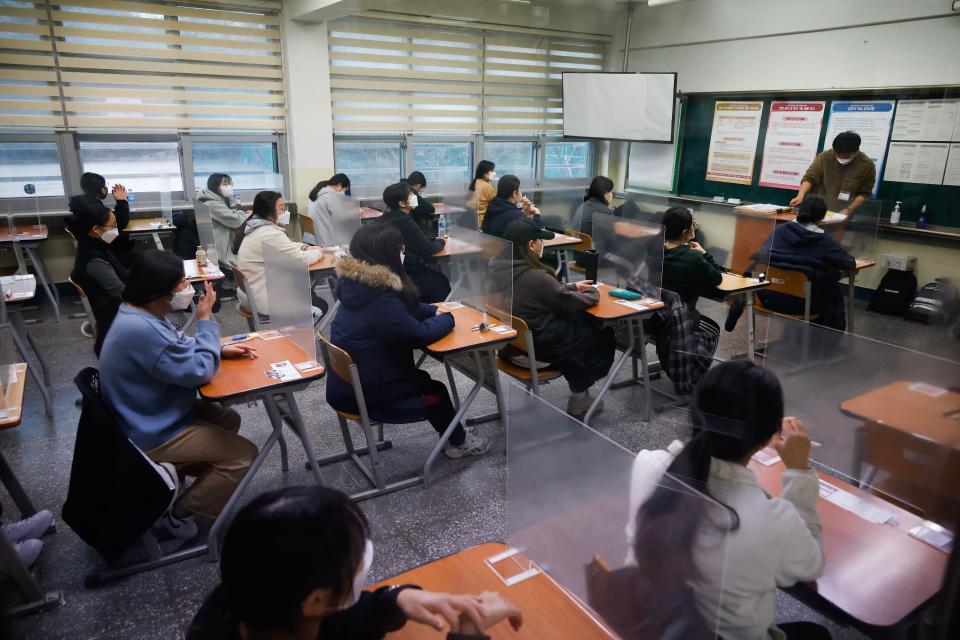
[733, 141]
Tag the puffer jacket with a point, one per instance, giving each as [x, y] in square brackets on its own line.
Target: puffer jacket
[226, 217]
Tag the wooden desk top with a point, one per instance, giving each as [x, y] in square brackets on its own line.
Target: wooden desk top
[548, 610]
[609, 309]
[876, 573]
[464, 338]
[456, 247]
[326, 262]
[244, 376]
[561, 240]
[733, 284]
[865, 263]
[12, 394]
[366, 213]
[147, 225]
[931, 417]
[211, 272]
[25, 233]
[786, 215]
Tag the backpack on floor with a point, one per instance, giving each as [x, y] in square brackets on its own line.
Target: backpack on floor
[935, 303]
[894, 293]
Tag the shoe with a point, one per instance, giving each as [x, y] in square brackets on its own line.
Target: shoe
[473, 445]
[29, 551]
[87, 330]
[578, 405]
[736, 310]
[180, 528]
[31, 528]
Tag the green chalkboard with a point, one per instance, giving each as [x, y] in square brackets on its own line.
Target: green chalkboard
[943, 203]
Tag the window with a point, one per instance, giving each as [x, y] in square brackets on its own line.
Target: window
[369, 163]
[149, 167]
[23, 163]
[252, 165]
[518, 158]
[567, 159]
[444, 162]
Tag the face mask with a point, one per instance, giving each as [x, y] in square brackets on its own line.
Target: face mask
[360, 580]
[413, 201]
[182, 299]
[226, 191]
[403, 256]
[283, 219]
[492, 176]
[109, 235]
[845, 162]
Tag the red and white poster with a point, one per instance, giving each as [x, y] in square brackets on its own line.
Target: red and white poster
[793, 136]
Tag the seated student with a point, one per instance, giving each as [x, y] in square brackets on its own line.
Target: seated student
[563, 334]
[94, 186]
[598, 199]
[771, 542]
[803, 246]
[325, 198]
[95, 268]
[294, 565]
[482, 188]
[266, 224]
[380, 322]
[424, 213]
[688, 270]
[401, 200]
[510, 204]
[149, 374]
[226, 214]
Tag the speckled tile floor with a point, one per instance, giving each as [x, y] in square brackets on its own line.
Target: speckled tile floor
[464, 505]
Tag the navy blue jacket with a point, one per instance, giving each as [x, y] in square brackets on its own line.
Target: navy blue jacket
[419, 249]
[380, 333]
[499, 214]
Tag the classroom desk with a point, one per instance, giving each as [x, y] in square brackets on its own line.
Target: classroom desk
[862, 263]
[327, 262]
[457, 247]
[368, 214]
[752, 230]
[549, 611]
[17, 290]
[28, 237]
[241, 380]
[210, 273]
[561, 243]
[151, 227]
[733, 286]
[877, 574]
[610, 312]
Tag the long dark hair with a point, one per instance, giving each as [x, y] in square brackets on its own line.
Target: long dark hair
[379, 244]
[87, 213]
[736, 408]
[339, 179]
[599, 187]
[676, 220]
[285, 544]
[264, 206]
[483, 168]
[812, 210]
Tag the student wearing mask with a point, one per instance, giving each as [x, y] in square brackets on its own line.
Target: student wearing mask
[266, 224]
[380, 322]
[564, 335]
[424, 213]
[842, 173]
[149, 375]
[226, 214]
[294, 565]
[510, 204]
[688, 270]
[769, 542]
[598, 199]
[401, 200]
[94, 186]
[482, 186]
[326, 199]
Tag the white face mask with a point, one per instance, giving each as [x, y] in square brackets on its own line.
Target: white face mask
[845, 162]
[360, 580]
[492, 176]
[413, 201]
[226, 191]
[284, 218]
[109, 235]
[182, 299]
[403, 256]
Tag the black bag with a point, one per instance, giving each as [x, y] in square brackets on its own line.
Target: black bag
[936, 303]
[894, 293]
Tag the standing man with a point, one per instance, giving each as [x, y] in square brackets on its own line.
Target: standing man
[843, 173]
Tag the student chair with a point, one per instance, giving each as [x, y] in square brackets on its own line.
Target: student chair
[791, 283]
[306, 225]
[86, 306]
[255, 320]
[530, 376]
[586, 243]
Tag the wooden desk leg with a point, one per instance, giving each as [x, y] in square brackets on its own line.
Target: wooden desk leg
[751, 329]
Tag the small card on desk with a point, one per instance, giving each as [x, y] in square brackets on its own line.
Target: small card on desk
[927, 389]
[308, 366]
[767, 456]
[283, 371]
[934, 535]
[633, 304]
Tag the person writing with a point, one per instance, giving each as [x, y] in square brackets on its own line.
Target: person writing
[688, 270]
[294, 566]
[509, 204]
[843, 173]
[149, 374]
[226, 214]
[482, 186]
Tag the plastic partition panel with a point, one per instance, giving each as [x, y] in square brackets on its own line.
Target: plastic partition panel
[459, 206]
[166, 204]
[629, 253]
[344, 221]
[201, 214]
[882, 415]
[560, 205]
[481, 273]
[288, 294]
[570, 493]
[856, 233]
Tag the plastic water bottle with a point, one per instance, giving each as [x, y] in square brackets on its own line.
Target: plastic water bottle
[442, 226]
[201, 256]
[922, 220]
[895, 215]
[131, 197]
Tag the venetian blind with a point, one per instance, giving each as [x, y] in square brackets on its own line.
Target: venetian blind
[400, 77]
[159, 65]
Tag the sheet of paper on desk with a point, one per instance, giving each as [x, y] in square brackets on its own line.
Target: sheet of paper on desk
[155, 225]
[854, 504]
[767, 457]
[766, 208]
[934, 535]
[633, 304]
[927, 389]
[309, 365]
[283, 371]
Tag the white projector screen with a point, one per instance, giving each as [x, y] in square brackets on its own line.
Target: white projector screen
[619, 106]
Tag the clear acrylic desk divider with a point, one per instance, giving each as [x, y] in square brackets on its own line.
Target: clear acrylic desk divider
[481, 275]
[201, 214]
[166, 201]
[290, 311]
[559, 206]
[345, 221]
[459, 206]
[569, 492]
[629, 254]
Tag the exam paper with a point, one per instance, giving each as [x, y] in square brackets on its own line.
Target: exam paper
[854, 504]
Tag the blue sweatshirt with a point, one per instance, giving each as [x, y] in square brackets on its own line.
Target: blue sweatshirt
[150, 373]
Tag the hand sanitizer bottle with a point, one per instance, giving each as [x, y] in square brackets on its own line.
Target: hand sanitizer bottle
[895, 215]
[922, 220]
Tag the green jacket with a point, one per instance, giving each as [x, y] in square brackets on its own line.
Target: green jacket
[690, 275]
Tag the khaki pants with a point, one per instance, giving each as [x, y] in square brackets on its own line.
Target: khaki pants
[210, 449]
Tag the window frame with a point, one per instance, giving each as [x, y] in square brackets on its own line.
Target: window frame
[25, 204]
[591, 167]
[372, 191]
[278, 140]
[538, 150]
[150, 199]
[411, 138]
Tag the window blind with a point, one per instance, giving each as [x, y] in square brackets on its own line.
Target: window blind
[29, 95]
[163, 65]
[402, 77]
